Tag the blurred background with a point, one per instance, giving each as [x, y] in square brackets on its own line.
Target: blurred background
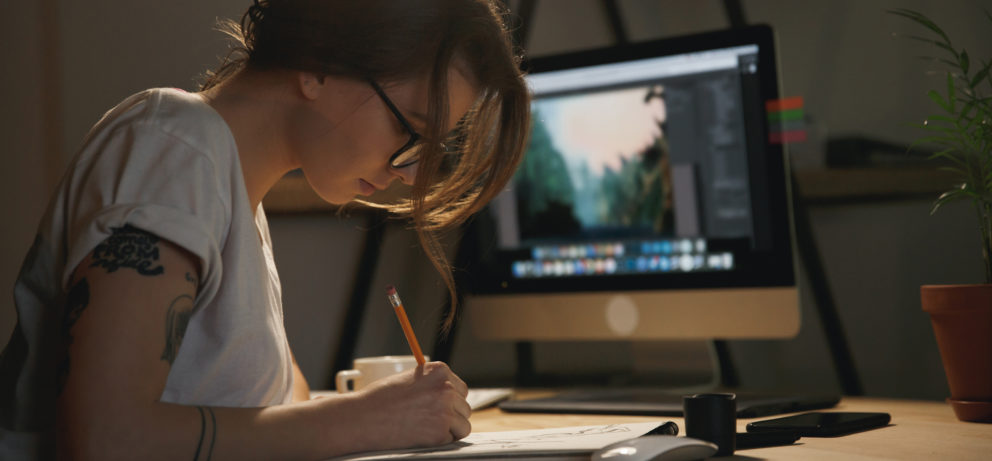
[66, 62]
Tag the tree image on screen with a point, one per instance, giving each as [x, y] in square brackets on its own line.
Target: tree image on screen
[597, 166]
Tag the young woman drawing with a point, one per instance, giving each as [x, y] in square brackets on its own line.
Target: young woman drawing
[150, 321]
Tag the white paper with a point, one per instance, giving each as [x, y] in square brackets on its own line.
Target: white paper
[485, 397]
[577, 441]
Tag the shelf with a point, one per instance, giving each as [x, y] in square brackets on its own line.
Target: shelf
[872, 184]
[292, 194]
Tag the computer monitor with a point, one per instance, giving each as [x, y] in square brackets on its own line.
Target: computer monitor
[650, 204]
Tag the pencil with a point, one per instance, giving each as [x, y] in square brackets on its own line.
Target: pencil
[394, 299]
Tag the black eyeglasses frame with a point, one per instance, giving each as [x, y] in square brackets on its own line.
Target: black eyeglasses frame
[414, 136]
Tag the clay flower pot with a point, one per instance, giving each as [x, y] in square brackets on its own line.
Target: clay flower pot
[962, 321]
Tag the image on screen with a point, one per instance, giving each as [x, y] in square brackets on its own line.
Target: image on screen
[597, 167]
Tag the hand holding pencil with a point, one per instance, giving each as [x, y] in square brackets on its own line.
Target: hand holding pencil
[432, 391]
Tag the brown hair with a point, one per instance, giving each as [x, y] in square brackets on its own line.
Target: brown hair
[389, 40]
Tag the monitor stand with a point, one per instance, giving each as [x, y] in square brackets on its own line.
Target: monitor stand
[640, 399]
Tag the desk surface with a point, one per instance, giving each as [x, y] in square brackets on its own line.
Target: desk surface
[919, 430]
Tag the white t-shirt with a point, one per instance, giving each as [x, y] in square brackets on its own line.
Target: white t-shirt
[165, 162]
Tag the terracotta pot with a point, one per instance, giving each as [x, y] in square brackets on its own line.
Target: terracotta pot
[962, 321]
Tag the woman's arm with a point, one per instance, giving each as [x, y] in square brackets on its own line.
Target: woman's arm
[125, 319]
[301, 390]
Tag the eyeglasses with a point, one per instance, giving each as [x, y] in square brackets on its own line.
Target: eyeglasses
[409, 153]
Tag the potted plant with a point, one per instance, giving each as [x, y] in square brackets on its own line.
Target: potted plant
[962, 131]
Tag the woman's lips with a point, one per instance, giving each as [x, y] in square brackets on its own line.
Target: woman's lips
[366, 187]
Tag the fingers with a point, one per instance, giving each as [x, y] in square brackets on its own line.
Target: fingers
[461, 407]
[459, 425]
[441, 368]
[460, 428]
[460, 387]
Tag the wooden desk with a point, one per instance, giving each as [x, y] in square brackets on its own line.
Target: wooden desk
[919, 430]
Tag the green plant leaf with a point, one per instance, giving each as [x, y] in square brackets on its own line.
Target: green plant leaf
[947, 154]
[951, 99]
[922, 20]
[982, 74]
[951, 64]
[965, 62]
[947, 140]
[940, 128]
[951, 169]
[933, 42]
[936, 97]
[970, 124]
[942, 118]
[954, 194]
[963, 115]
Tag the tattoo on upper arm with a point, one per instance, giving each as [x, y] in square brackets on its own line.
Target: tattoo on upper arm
[131, 247]
[176, 320]
[205, 428]
[77, 300]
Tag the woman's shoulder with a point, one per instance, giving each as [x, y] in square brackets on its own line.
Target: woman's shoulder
[184, 116]
[160, 120]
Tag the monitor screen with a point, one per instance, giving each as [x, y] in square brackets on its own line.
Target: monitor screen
[650, 201]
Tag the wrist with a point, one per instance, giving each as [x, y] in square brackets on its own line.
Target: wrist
[341, 422]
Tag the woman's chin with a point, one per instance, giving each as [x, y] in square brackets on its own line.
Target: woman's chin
[334, 197]
[337, 199]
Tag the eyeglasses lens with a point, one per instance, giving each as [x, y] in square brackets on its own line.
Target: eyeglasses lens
[407, 157]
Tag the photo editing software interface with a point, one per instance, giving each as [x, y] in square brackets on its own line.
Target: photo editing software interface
[653, 172]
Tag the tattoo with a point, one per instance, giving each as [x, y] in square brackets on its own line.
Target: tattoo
[203, 432]
[176, 320]
[131, 247]
[77, 300]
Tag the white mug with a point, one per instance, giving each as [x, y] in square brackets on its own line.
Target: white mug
[369, 369]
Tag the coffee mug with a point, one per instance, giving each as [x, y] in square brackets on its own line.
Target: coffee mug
[368, 369]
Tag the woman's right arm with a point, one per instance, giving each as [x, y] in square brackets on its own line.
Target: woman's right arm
[125, 319]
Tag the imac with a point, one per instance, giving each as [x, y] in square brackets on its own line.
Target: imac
[650, 205]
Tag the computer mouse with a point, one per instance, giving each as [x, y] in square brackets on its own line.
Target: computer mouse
[656, 448]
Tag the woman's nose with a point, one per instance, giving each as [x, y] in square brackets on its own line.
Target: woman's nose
[407, 174]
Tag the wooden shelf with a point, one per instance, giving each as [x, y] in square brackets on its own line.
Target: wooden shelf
[861, 184]
[292, 194]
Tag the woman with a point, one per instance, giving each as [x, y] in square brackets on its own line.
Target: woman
[150, 321]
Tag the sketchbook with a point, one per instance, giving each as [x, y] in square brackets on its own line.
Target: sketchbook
[478, 398]
[562, 443]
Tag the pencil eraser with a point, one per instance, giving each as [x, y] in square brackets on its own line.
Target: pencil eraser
[390, 290]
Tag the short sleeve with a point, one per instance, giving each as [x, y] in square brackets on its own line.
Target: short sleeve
[141, 176]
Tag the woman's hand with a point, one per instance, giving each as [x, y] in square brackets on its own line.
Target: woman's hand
[421, 407]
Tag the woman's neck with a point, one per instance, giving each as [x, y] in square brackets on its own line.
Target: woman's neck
[257, 107]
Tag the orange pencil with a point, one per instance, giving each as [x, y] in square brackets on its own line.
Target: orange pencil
[394, 299]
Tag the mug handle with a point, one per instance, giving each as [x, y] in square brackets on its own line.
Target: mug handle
[342, 378]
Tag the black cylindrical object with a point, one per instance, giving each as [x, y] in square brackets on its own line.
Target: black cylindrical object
[712, 417]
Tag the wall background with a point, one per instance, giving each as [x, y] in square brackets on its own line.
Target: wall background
[67, 62]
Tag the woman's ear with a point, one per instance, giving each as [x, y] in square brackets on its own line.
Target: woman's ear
[310, 84]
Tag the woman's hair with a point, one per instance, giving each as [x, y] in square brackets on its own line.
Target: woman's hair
[392, 40]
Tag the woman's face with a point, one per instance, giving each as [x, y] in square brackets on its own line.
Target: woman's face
[345, 135]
